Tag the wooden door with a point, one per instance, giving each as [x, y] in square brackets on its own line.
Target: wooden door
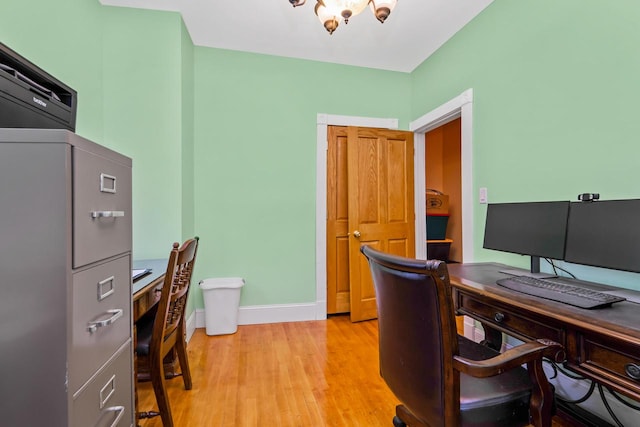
[370, 190]
[337, 222]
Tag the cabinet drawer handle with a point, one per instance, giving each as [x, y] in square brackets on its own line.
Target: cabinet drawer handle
[498, 317]
[106, 214]
[115, 315]
[119, 410]
[632, 370]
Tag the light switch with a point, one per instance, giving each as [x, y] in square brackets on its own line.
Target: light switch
[483, 194]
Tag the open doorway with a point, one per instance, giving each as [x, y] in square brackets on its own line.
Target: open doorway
[460, 107]
[443, 175]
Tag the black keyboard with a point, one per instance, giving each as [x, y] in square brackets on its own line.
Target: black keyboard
[560, 292]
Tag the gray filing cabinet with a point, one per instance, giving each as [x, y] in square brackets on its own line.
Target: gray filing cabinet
[66, 356]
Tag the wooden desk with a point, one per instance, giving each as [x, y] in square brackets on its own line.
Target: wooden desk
[601, 344]
[146, 290]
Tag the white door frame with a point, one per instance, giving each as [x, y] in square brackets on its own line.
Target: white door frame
[461, 106]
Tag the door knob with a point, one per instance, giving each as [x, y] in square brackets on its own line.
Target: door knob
[356, 234]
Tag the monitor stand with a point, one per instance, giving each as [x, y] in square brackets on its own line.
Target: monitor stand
[534, 272]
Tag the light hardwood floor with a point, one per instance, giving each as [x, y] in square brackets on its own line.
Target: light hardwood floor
[318, 373]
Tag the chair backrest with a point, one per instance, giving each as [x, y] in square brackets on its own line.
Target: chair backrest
[169, 320]
[417, 334]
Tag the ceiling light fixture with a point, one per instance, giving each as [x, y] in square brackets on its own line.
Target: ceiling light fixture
[331, 12]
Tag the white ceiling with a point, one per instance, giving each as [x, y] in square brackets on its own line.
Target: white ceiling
[413, 31]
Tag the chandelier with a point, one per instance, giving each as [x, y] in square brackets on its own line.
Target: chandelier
[331, 12]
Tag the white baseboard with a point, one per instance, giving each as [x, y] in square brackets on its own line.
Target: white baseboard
[191, 325]
[258, 314]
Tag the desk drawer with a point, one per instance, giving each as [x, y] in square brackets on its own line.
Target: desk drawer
[608, 359]
[101, 208]
[508, 320]
[101, 320]
[146, 302]
[107, 398]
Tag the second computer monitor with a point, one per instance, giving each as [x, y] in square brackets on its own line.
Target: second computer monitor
[537, 229]
[605, 234]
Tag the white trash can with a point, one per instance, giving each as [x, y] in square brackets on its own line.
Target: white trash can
[221, 302]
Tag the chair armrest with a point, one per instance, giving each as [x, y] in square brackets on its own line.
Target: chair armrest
[541, 401]
[512, 358]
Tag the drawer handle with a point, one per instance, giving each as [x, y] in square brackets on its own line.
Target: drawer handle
[107, 183]
[498, 317]
[115, 315]
[106, 214]
[119, 410]
[632, 370]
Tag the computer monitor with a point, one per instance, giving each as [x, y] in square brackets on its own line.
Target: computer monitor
[605, 234]
[537, 229]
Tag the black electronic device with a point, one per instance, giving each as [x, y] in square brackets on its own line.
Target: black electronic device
[32, 98]
[605, 234]
[537, 229]
[588, 197]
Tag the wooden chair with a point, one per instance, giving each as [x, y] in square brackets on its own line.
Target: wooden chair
[167, 330]
[441, 378]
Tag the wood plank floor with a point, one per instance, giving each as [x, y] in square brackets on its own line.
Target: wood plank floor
[317, 373]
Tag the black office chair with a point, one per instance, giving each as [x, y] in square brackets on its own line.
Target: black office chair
[441, 378]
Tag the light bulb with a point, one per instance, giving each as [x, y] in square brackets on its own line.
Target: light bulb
[329, 17]
[382, 8]
[346, 8]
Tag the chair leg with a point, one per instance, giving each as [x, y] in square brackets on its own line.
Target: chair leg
[160, 390]
[542, 400]
[181, 349]
[397, 422]
[404, 417]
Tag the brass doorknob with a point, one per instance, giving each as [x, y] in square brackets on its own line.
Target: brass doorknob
[356, 234]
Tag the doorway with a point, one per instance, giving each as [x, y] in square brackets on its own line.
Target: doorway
[443, 172]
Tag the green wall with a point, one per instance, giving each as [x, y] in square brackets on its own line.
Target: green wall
[188, 152]
[143, 98]
[555, 88]
[255, 133]
[188, 184]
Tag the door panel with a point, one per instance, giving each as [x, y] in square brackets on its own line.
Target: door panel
[337, 222]
[381, 205]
